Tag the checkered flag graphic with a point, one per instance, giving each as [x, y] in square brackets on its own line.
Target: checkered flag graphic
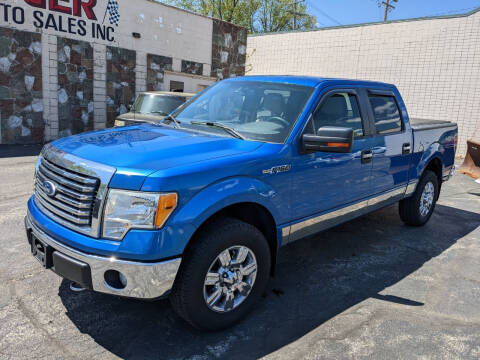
[113, 13]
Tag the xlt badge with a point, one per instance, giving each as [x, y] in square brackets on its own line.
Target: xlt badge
[277, 169]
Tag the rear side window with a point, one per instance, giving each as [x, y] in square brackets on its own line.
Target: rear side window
[387, 115]
[340, 109]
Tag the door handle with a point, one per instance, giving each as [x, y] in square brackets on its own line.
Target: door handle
[406, 149]
[367, 156]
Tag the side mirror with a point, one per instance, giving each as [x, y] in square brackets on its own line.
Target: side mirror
[329, 139]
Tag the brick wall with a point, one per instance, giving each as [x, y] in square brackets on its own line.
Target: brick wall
[434, 62]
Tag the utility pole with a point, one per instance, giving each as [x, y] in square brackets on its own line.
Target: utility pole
[388, 7]
[295, 13]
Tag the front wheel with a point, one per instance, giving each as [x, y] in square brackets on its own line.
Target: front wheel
[417, 209]
[222, 275]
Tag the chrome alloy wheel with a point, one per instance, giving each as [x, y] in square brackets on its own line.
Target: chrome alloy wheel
[230, 279]
[426, 200]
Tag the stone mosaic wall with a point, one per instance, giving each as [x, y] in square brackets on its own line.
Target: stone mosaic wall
[156, 65]
[192, 67]
[229, 45]
[120, 81]
[75, 82]
[21, 98]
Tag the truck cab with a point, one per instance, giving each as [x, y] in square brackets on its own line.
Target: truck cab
[196, 206]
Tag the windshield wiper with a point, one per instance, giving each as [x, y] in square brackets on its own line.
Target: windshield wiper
[228, 129]
[172, 119]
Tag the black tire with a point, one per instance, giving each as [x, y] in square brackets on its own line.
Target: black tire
[187, 297]
[409, 208]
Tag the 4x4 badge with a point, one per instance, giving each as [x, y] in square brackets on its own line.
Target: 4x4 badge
[277, 169]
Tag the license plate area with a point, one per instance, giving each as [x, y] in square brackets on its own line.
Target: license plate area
[42, 252]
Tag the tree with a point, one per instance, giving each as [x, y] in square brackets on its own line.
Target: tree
[284, 15]
[257, 15]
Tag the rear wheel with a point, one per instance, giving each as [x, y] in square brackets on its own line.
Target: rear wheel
[417, 209]
[222, 275]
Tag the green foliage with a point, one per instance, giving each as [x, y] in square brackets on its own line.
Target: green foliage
[257, 16]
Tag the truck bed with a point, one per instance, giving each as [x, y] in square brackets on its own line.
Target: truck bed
[430, 124]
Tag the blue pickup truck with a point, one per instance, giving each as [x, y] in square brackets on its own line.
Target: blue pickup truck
[196, 207]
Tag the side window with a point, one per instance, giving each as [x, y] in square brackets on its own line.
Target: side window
[340, 109]
[387, 115]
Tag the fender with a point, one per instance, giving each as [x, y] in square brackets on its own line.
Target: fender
[434, 151]
[218, 196]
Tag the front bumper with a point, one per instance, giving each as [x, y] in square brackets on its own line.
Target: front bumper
[145, 280]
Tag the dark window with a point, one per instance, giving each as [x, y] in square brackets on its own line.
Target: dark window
[387, 115]
[340, 109]
[176, 86]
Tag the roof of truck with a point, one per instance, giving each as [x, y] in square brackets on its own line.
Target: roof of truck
[308, 80]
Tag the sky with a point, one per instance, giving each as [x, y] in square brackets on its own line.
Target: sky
[345, 12]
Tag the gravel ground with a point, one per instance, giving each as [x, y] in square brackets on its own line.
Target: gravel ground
[372, 288]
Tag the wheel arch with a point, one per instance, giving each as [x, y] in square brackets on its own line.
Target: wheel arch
[252, 213]
[435, 165]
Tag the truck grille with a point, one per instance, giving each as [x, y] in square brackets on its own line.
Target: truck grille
[73, 197]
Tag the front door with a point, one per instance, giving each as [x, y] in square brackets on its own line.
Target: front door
[326, 181]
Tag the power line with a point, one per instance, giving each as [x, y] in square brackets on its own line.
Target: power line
[314, 6]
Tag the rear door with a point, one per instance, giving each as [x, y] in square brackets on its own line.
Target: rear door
[392, 143]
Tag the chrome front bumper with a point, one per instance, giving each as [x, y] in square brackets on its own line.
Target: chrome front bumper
[144, 280]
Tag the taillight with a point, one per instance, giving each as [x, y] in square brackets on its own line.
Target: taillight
[455, 143]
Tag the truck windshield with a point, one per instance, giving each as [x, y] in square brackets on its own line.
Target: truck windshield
[157, 104]
[259, 111]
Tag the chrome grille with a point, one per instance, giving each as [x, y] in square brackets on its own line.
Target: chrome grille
[74, 199]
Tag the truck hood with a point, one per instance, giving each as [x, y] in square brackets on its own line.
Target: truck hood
[138, 151]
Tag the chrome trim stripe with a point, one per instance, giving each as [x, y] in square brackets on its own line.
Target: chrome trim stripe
[394, 195]
[144, 280]
[319, 223]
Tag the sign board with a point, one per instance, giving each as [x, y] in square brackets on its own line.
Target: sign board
[76, 17]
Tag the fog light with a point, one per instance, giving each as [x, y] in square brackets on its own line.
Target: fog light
[115, 280]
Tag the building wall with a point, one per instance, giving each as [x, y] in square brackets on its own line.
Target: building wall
[121, 81]
[49, 94]
[229, 45]
[21, 104]
[75, 82]
[156, 66]
[434, 62]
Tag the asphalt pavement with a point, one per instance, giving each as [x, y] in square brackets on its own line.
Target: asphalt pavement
[369, 289]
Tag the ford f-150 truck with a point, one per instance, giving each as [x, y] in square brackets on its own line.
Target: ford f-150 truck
[197, 206]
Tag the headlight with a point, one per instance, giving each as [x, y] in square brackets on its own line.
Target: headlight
[127, 210]
[119, 123]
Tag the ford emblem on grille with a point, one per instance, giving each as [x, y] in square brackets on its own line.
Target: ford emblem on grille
[49, 188]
